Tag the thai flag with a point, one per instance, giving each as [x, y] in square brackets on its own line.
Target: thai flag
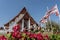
[54, 10]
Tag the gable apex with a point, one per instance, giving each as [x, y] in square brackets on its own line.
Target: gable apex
[23, 10]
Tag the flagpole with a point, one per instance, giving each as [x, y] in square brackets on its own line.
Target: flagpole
[59, 21]
[49, 19]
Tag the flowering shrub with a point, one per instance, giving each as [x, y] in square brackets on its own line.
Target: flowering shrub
[16, 32]
[36, 36]
[17, 35]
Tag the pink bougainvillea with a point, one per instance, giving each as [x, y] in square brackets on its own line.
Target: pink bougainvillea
[3, 37]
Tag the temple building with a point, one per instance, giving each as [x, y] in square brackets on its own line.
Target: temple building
[23, 19]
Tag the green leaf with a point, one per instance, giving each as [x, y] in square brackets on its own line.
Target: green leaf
[8, 35]
[23, 34]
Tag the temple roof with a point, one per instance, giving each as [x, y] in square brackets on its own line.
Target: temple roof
[23, 11]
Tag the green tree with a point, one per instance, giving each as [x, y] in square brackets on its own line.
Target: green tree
[52, 26]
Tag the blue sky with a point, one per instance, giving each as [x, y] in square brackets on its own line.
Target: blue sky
[36, 8]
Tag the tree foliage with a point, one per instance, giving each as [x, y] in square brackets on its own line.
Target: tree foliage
[52, 25]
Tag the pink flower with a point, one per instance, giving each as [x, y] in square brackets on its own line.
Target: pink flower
[35, 35]
[29, 34]
[16, 28]
[3, 38]
[16, 34]
[47, 37]
[39, 36]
